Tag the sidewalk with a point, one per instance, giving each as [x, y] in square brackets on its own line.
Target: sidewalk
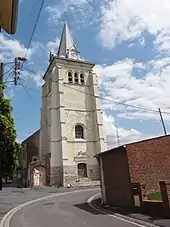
[158, 221]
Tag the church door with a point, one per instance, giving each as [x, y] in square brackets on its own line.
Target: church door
[82, 170]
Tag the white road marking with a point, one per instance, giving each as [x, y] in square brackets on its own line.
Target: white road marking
[89, 201]
[6, 219]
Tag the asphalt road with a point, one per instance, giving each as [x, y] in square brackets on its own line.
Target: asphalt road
[12, 197]
[68, 210]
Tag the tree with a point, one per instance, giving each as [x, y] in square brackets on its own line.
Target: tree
[9, 148]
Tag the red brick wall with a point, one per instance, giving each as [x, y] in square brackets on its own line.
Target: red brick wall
[116, 178]
[149, 162]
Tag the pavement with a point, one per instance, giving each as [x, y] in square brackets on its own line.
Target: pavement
[136, 217]
[65, 209]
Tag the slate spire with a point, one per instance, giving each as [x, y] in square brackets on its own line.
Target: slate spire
[67, 47]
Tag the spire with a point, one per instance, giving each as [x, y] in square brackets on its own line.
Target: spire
[67, 48]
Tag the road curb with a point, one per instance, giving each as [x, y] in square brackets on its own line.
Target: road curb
[5, 222]
[122, 217]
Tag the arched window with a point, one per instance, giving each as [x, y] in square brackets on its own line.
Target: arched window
[76, 79]
[79, 132]
[70, 78]
[81, 78]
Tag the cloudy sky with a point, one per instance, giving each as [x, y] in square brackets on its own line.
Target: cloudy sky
[128, 40]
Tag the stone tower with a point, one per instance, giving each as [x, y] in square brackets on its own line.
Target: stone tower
[72, 128]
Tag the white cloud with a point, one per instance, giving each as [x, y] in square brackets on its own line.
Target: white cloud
[151, 91]
[37, 78]
[9, 49]
[117, 136]
[76, 8]
[53, 45]
[127, 20]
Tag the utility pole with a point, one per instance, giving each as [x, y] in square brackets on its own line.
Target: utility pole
[16, 71]
[162, 121]
[117, 132]
[1, 72]
[17, 67]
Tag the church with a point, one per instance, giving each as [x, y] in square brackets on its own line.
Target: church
[71, 127]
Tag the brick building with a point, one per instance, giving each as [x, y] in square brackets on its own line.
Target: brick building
[146, 162]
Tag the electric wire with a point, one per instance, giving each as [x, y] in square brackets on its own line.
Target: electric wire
[7, 71]
[30, 70]
[102, 98]
[25, 89]
[34, 28]
[8, 76]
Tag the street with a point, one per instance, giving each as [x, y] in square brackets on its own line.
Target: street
[12, 197]
[67, 210]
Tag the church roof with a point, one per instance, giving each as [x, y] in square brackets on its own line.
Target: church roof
[67, 47]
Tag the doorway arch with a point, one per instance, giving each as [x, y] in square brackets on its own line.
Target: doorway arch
[82, 170]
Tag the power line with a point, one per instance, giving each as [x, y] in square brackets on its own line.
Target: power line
[28, 94]
[34, 28]
[32, 71]
[116, 102]
[32, 89]
[113, 101]
[8, 63]
[8, 76]
[7, 71]
[102, 98]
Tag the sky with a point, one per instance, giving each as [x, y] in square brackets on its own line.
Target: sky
[129, 41]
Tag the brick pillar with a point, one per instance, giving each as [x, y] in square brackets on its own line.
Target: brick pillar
[165, 191]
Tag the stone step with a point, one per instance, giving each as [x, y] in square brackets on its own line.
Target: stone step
[85, 182]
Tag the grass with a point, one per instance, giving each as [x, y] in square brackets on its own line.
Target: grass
[155, 196]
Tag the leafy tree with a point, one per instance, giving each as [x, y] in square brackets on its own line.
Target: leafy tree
[9, 148]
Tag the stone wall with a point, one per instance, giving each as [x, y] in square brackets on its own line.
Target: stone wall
[70, 174]
[56, 176]
[31, 149]
[44, 162]
[93, 172]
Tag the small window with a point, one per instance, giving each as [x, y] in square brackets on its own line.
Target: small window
[34, 159]
[76, 79]
[70, 78]
[79, 132]
[81, 78]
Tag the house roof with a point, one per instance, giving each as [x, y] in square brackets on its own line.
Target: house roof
[124, 146]
[31, 136]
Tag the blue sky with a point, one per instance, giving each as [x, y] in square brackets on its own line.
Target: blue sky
[128, 40]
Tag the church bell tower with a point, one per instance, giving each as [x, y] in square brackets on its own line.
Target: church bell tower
[72, 129]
